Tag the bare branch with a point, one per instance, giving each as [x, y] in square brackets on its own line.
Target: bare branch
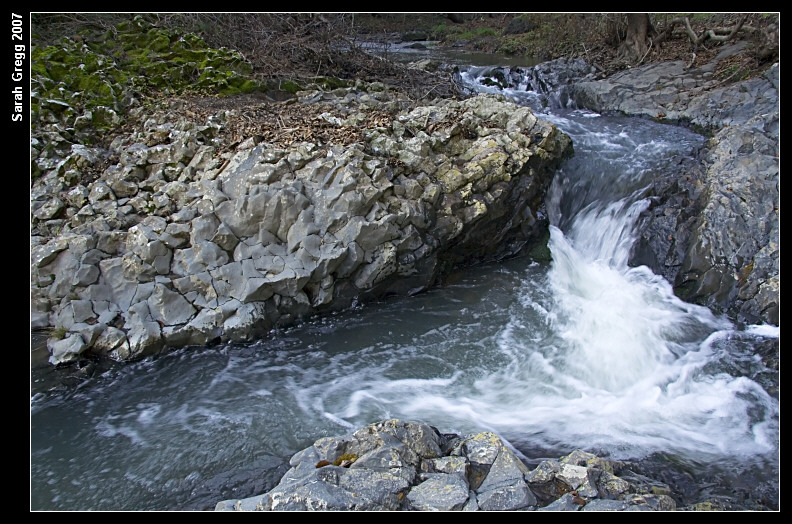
[718, 38]
[718, 34]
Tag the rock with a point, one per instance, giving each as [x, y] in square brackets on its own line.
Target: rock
[439, 492]
[279, 234]
[66, 349]
[398, 465]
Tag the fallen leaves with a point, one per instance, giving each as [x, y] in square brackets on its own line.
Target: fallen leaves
[284, 123]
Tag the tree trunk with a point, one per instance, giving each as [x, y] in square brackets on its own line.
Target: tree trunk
[634, 47]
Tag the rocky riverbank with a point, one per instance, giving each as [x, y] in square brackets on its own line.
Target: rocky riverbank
[176, 245]
[177, 234]
[202, 226]
[399, 465]
[713, 233]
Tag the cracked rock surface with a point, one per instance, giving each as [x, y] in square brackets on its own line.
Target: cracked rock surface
[184, 240]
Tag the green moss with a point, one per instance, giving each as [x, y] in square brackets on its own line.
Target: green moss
[249, 86]
[290, 87]
[439, 31]
[107, 69]
[540, 251]
[158, 41]
[445, 32]
[450, 178]
[346, 456]
[59, 333]
[522, 44]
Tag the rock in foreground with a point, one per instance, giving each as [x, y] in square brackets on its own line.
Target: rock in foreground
[396, 465]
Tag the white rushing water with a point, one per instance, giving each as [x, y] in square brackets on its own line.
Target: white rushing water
[582, 352]
[592, 354]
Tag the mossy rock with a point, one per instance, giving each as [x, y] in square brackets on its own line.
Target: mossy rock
[540, 251]
[191, 41]
[104, 118]
[244, 85]
[330, 83]
[92, 63]
[345, 458]
[290, 87]
[158, 41]
[107, 69]
[124, 26]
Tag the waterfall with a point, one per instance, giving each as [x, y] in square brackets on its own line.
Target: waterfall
[583, 351]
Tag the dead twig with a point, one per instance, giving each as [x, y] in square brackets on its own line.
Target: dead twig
[649, 48]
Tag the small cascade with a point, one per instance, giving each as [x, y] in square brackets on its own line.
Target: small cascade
[542, 86]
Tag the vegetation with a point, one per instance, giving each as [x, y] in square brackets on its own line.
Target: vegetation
[345, 458]
[300, 46]
[89, 69]
[93, 69]
[596, 37]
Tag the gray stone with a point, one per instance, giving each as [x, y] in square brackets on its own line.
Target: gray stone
[169, 307]
[110, 339]
[577, 478]
[440, 492]
[100, 191]
[385, 488]
[144, 338]
[49, 209]
[567, 503]
[605, 505]
[449, 465]
[66, 349]
[506, 498]
[173, 221]
[506, 469]
[85, 275]
[201, 257]
[43, 255]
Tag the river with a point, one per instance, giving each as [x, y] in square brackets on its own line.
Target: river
[582, 351]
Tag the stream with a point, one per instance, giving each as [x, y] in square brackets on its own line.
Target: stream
[583, 351]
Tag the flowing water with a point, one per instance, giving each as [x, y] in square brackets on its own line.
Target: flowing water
[581, 352]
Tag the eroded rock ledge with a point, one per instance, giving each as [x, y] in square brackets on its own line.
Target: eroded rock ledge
[714, 233]
[175, 244]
